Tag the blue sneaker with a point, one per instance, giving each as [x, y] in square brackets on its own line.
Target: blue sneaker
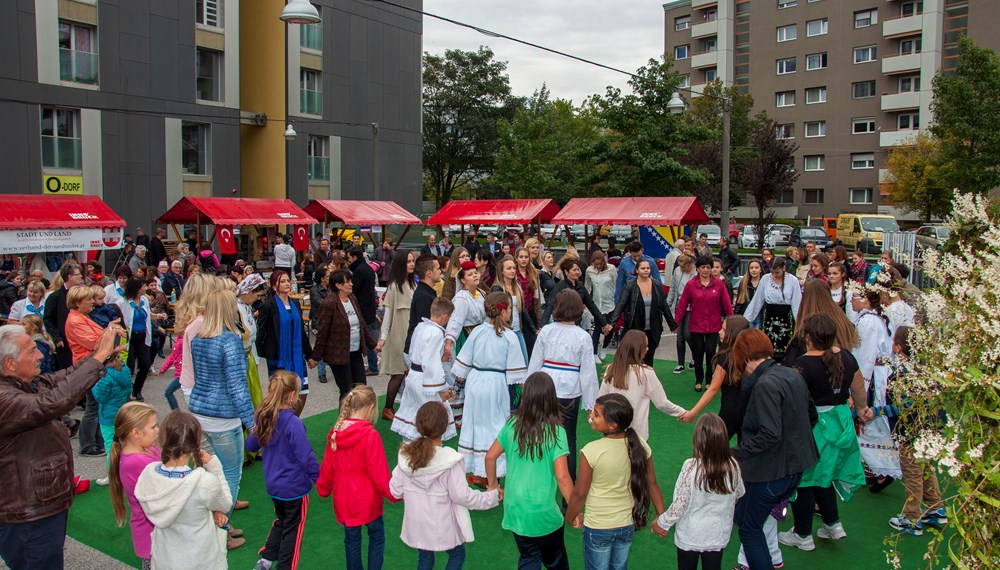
[903, 524]
[935, 518]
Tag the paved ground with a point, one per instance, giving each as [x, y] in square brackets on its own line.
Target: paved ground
[322, 397]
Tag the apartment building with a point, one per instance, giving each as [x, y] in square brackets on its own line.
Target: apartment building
[846, 79]
[147, 101]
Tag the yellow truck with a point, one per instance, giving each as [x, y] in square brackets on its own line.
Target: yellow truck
[863, 232]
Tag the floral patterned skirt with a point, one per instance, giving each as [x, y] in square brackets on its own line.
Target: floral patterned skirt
[778, 323]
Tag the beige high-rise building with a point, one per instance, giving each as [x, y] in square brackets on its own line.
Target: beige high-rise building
[846, 79]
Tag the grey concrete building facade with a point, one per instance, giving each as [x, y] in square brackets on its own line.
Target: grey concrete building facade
[846, 79]
[151, 100]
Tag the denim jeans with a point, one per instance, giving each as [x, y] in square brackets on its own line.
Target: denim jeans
[168, 393]
[376, 545]
[607, 549]
[373, 329]
[35, 544]
[752, 511]
[90, 428]
[228, 447]
[456, 557]
[321, 368]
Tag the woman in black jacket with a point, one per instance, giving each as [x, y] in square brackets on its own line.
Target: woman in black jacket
[282, 335]
[644, 305]
[572, 271]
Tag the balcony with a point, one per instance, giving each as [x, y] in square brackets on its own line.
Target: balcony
[78, 66]
[698, 88]
[706, 59]
[896, 138]
[901, 63]
[902, 26]
[695, 4]
[900, 101]
[705, 29]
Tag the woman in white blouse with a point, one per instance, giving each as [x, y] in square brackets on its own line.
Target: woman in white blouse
[469, 313]
[600, 281]
[778, 296]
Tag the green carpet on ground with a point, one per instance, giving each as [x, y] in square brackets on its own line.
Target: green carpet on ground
[864, 518]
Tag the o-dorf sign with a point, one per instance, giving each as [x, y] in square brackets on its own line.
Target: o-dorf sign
[62, 185]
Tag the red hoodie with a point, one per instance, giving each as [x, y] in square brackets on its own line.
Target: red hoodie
[357, 474]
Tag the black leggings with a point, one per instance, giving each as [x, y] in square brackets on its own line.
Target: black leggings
[703, 346]
[682, 338]
[570, 408]
[349, 375]
[688, 560]
[807, 499]
[653, 342]
[137, 350]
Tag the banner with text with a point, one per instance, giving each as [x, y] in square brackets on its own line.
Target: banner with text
[64, 239]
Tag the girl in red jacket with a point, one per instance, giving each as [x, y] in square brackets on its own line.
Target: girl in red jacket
[356, 473]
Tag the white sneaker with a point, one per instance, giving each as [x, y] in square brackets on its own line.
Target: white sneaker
[598, 360]
[833, 531]
[602, 351]
[679, 369]
[789, 538]
[102, 481]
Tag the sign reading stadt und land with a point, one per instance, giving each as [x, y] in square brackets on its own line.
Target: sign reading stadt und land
[59, 239]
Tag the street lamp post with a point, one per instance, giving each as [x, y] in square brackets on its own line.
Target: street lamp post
[676, 105]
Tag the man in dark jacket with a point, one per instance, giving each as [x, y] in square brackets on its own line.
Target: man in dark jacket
[157, 251]
[8, 295]
[730, 259]
[36, 468]
[429, 271]
[777, 445]
[364, 280]
[56, 312]
[174, 281]
[571, 280]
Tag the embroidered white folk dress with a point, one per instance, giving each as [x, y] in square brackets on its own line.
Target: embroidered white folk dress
[424, 382]
[878, 451]
[470, 312]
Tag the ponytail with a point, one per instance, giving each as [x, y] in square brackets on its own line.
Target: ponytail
[357, 400]
[618, 411]
[431, 423]
[132, 415]
[834, 368]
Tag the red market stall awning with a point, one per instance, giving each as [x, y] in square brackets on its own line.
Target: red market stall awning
[360, 212]
[236, 212]
[494, 211]
[33, 223]
[654, 211]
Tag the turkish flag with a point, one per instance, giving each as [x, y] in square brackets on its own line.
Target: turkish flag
[227, 244]
[301, 240]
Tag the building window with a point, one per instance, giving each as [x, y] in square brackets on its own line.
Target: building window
[906, 47]
[318, 157]
[682, 23]
[814, 162]
[194, 148]
[61, 144]
[817, 27]
[710, 45]
[784, 99]
[782, 4]
[911, 9]
[711, 15]
[862, 195]
[863, 89]
[815, 61]
[812, 195]
[311, 92]
[682, 52]
[311, 35]
[815, 129]
[865, 18]
[711, 75]
[864, 54]
[786, 66]
[685, 80]
[787, 33]
[786, 197]
[863, 125]
[815, 95]
[77, 53]
[908, 121]
[209, 13]
[909, 84]
[786, 131]
[862, 160]
[208, 75]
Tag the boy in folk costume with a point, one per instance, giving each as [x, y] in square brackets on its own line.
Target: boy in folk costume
[426, 380]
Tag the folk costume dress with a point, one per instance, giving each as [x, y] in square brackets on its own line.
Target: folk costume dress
[425, 381]
[878, 451]
[470, 312]
[779, 303]
[488, 363]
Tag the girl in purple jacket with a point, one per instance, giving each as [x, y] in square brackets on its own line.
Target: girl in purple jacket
[290, 469]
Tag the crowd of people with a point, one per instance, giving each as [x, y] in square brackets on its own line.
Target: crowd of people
[495, 344]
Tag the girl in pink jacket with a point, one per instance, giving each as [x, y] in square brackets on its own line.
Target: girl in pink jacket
[431, 481]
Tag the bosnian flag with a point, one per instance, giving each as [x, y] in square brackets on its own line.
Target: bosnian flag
[227, 244]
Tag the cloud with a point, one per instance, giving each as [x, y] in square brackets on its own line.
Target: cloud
[623, 34]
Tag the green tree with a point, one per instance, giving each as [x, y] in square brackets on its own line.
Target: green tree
[967, 118]
[644, 148]
[465, 94]
[920, 177]
[542, 150]
[766, 174]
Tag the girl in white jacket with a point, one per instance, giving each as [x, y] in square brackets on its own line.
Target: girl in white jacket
[431, 481]
[187, 505]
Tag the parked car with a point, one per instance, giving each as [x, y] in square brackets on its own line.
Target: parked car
[457, 228]
[548, 230]
[488, 228]
[828, 224]
[803, 234]
[621, 232]
[863, 232]
[932, 236]
[734, 232]
[783, 231]
[713, 232]
[748, 237]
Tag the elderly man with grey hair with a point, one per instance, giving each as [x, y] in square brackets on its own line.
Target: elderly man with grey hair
[671, 260]
[138, 259]
[36, 458]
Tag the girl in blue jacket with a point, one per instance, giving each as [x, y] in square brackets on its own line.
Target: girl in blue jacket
[111, 392]
[290, 469]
